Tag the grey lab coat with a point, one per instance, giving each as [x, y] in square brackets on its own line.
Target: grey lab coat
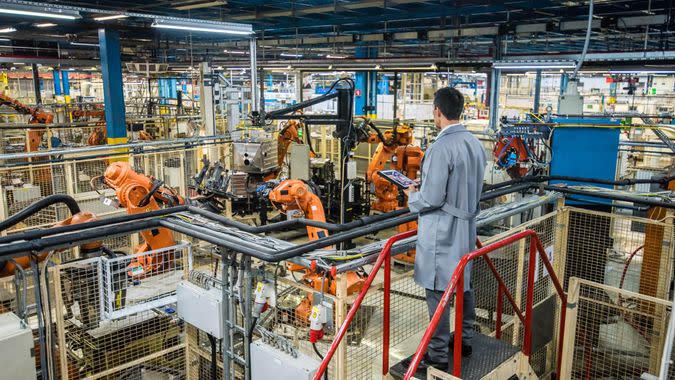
[452, 181]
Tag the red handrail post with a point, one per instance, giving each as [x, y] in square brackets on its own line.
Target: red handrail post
[498, 319]
[386, 315]
[563, 299]
[459, 316]
[527, 340]
[384, 254]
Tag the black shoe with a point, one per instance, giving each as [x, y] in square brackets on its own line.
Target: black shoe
[425, 363]
[467, 350]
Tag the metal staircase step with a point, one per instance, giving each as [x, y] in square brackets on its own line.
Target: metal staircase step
[488, 354]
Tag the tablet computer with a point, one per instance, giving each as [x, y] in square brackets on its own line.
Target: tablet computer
[397, 178]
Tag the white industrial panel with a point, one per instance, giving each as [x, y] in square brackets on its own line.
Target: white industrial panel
[299, 161]
[200, 307]
[268, 363]
[16, 349]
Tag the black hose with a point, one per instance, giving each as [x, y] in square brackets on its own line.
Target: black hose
[309, 139]
[214, 350]
[38, 206]
[318, 353]
[155, 186]
[251, 329]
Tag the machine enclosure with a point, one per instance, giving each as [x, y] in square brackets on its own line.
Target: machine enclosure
[268, 362]
[200, 307]
[255, 157]
[16, 349]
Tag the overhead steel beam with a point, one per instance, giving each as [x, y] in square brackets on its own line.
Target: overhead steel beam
[335, 8]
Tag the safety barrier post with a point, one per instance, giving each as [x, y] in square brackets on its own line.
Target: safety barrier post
[386, 314]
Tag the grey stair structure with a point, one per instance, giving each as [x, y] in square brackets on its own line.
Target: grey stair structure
[489, 354]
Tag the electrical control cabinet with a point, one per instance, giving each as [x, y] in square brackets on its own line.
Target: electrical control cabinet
[17, 359]
[268, 362]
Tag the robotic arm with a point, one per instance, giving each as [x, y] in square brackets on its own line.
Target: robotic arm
[293, 194]
[393, 145]
[140, 193]
[37, 117]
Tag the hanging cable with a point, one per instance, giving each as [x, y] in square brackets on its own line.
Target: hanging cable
[586, 42]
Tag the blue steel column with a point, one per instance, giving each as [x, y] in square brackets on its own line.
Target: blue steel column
[365, 99]
[56, 74]
[66, 86]
[113, 92]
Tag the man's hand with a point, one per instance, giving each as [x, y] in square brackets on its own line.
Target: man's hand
[410, 189]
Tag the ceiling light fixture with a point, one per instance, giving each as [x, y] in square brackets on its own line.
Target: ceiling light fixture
[7, 30]
[331, 56]
[46, 12]
[83, 44]
[236, 29]
[196, 5]
[45, 25]
[291, 55]
[534, 65]
[111, 17]
[241, 52]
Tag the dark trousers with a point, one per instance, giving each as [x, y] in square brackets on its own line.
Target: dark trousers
[439, 345]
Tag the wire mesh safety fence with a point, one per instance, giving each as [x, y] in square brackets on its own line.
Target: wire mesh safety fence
[21, 185]
[142, 281]
[109, 323]
[614, 333]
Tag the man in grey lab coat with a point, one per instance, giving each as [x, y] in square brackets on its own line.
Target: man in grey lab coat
[447, 203]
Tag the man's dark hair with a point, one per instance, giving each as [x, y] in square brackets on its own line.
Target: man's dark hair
[450, 102]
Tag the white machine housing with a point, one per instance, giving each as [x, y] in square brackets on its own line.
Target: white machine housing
[17, 356]
[268, 362]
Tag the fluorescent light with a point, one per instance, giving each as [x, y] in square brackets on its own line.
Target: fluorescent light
[5, 40]
[200, 5]
[111, 17]
[331, 56]
[83, 44]
[46, 12]
[235, 52]
[45, 25]
[291, 55]
[642, 71]
[7, 30]
[534, 65]
[205, 27]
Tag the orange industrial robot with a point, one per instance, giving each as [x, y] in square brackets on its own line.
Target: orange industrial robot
[7, 268]
[37, 116]
[139, 193]
[394, 147]
[293, 194]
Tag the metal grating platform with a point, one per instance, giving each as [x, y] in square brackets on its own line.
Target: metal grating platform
[488, 354]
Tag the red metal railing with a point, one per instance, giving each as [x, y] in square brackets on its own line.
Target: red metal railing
[383, 257]
[456, 285]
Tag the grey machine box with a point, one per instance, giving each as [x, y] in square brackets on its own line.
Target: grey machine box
[16, 349]
[255, 157]
[268, 362]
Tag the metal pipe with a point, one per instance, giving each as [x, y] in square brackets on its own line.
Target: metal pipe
[40, 233]
[253, 53]
[538, 179]
[615, 197]
[296, 223]
[240, 243]
[99, 148]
